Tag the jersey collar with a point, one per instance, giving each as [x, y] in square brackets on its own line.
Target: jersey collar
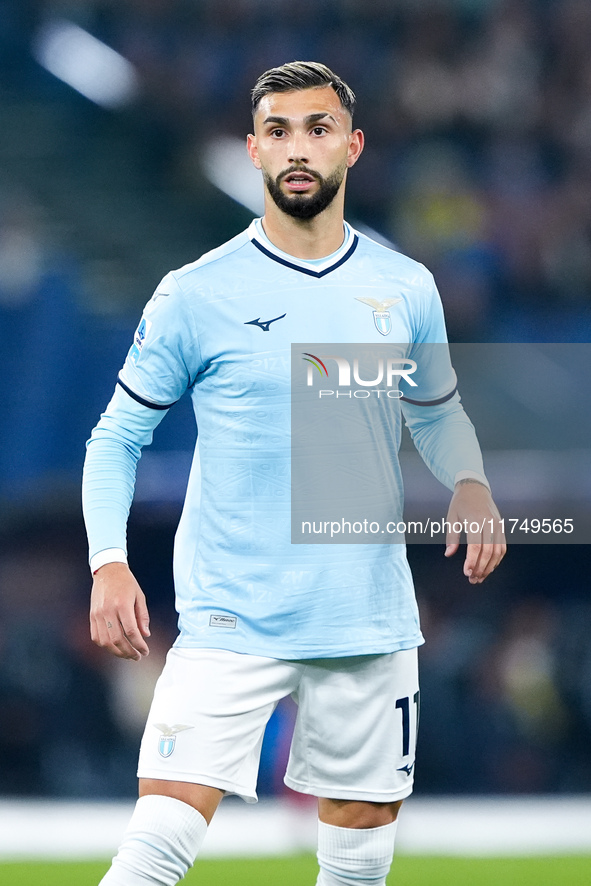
[312, 267]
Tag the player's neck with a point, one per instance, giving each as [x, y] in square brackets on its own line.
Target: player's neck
[305, 238]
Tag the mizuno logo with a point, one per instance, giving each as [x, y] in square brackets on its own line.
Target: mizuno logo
[263, 324]
[408, 768]
[222, 621]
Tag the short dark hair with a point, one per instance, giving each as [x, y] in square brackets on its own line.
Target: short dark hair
[301, 75]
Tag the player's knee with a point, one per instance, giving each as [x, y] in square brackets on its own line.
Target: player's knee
[160, 843]
[358, 814]
[355, 856]
[375, 815]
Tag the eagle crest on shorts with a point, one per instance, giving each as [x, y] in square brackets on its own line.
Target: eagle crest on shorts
[167, 740]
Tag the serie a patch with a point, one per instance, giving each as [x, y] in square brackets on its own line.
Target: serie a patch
[139, 339]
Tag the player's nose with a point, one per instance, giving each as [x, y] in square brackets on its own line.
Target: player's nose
[297, 150]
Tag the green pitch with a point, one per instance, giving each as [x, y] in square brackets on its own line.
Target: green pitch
[301, 871]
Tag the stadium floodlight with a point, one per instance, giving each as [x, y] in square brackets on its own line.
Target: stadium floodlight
[86, 64]
[227, 166]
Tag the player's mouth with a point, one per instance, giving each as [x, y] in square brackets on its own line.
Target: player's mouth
[299, 181]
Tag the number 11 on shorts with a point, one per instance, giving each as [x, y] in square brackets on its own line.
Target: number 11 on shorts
[404, 705]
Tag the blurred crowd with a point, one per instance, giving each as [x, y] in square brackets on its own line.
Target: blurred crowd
[506, 676]
[477, 115]
[478, 121]
[478, 163]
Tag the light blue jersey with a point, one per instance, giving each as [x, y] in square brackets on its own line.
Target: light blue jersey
[223, 327]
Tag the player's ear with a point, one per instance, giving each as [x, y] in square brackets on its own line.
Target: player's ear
[251, 147]
[356, 142]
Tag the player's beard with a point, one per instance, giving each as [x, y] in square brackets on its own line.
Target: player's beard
[302, 206]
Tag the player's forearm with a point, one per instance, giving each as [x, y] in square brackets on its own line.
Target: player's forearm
[110, 468]
[446, 440]
[107, 492]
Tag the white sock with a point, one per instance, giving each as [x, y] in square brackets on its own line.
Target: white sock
[159, 845]
[354, 856]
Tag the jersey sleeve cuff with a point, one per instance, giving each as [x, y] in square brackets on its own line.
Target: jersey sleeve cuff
[109, 555]
[471, 475]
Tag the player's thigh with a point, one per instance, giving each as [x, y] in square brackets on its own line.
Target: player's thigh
[355, 733]
[208, 716]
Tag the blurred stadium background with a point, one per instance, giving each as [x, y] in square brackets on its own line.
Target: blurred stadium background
[119, 159]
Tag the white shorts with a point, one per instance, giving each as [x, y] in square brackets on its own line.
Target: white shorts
[354, 736]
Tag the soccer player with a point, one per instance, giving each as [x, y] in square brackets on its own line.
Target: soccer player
[335, 626]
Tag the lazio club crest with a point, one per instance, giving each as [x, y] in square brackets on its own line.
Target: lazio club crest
[167, 740]
[381, 314]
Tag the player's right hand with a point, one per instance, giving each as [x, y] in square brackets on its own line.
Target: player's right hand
[119, 620]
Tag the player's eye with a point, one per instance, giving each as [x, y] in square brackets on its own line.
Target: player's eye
[277, 133]
[319, 130]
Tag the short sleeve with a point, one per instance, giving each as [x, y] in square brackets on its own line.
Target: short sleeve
[164, 358]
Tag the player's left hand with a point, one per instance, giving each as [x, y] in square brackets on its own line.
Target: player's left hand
[472, 506]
